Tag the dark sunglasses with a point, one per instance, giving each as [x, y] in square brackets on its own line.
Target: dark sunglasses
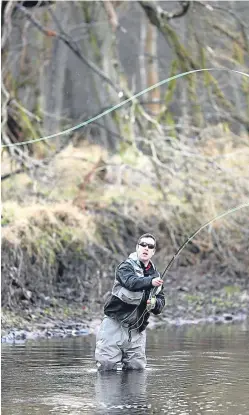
[144, 244]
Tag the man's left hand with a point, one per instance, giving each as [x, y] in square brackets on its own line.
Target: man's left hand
[151, 303]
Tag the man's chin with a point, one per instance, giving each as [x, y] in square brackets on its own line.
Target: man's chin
[145, 258]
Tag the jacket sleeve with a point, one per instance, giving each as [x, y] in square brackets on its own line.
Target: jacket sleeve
[160, 303]
[127, 277]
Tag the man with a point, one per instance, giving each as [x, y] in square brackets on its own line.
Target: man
[137, 290]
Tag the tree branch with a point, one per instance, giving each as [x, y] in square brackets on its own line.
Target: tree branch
[243, 26]
[160, 18]
[64, 37]
[6, 12]
[7, 175]
[111, 13]
[223, 9]
[157, 14]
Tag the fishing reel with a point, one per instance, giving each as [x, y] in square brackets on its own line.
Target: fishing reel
[151, 302]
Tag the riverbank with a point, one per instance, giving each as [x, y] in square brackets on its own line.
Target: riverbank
[61, 243]
[229, 304]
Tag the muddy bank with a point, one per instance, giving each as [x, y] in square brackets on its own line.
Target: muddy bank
[58, 267]
[185, 305]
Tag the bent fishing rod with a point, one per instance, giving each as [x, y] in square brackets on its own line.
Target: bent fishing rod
[222, 215]
[152, 297]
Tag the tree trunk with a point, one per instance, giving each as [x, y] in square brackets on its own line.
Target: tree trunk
[152, 69]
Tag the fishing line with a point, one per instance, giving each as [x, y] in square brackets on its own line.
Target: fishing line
[83, 124]
[109, 110]
[153, 291]
[222, 215]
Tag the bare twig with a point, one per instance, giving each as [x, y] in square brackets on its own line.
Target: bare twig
[7, 175]
[111, 13]
[7, 22]
[69, 42]
[212, 7]
[25, 110]
[243, 26]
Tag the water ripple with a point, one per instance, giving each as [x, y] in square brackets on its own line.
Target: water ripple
[188, 374]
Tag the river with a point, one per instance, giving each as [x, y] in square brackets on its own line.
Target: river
[197, 370]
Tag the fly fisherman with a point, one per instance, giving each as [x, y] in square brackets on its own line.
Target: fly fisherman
[121, 337]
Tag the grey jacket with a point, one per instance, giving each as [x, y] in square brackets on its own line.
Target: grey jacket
[131, 290]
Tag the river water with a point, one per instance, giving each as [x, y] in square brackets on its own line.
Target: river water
[191, 370]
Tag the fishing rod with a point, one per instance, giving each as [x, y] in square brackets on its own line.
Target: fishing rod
[152, 298]
[222, 215]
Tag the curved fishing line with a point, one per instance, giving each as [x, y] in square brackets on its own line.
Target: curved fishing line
[222, 215]
[83, 124]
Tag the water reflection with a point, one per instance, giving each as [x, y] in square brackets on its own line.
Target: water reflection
[195, 370]
[121, 390]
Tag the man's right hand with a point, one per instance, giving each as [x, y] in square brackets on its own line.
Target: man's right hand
[156, 282]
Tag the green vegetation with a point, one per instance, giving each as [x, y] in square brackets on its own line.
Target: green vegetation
[165, 166]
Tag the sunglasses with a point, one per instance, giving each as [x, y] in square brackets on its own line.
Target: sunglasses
[144, 244]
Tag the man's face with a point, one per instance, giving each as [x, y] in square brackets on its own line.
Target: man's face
[145, 249]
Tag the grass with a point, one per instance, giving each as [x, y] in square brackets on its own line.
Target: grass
[45, 230]
[47, 216]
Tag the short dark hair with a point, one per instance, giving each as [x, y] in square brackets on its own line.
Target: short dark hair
[146, 235]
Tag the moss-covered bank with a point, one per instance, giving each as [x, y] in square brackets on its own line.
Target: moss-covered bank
[65, 231]
[58, 266]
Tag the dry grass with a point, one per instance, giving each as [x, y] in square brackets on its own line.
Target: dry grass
[30, 223]
[182, 185]
[60, 229]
